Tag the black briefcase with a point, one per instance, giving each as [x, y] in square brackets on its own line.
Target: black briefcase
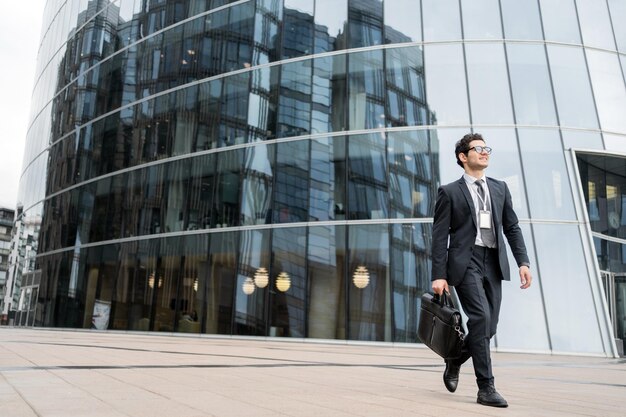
[440, 326]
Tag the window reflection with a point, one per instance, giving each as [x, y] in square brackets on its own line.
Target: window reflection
[291, 197]
[367, 177]
[298, 28]
[406, 96]
[288, 307]
[412, 185]
[365, 23]
[327, 196]
[326, 260]
[331, 19]
[370, 308]
[250, 305]
[366, 90]
[258, 177]
[409, 270]
[294, 111]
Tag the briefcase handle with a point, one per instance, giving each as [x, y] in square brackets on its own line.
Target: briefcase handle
[444, 300]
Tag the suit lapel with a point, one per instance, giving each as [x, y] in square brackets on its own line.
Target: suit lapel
[468, 198]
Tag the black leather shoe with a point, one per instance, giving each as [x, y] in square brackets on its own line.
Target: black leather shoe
[489, 396]
[451, 376]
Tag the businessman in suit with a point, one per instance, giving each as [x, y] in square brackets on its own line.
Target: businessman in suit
[471, 216]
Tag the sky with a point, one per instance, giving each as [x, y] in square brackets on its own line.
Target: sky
[20, 29]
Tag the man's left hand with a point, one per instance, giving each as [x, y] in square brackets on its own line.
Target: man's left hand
[525, 276]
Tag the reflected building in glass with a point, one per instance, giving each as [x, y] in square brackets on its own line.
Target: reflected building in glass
[269, 167]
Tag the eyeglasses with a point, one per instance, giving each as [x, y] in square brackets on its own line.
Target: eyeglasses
[481, 149]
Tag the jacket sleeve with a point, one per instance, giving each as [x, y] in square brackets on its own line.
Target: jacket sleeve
[441, 230]
[512, 231]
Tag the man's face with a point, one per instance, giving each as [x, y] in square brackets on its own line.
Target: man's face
[474, 160]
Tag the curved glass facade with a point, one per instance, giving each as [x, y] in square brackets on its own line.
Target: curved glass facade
[269, 167]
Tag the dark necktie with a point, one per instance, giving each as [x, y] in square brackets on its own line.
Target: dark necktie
[487, 235]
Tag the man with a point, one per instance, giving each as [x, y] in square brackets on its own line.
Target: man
[472, 213]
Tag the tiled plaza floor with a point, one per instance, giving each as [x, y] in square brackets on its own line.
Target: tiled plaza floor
[82, 373]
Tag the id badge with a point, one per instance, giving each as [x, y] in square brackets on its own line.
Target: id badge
[484, 219]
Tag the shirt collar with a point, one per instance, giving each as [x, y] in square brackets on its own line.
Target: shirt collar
[471, 180]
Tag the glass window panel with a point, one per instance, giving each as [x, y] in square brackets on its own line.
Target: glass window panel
[488, 84]
[229, 167]
[547, 179]
[291, 196]
[139, 266]
[366, 90]
[175, 195]
[250, 297]
[221, 276]
[288, 305]
[532, 93]
[618, 16]
[193, 283]
[409, 270]
[560, 22]
[328, 94]
[572, 88]
[298, 28]
[294, 112]
[412, 184]
[481, 19]
[442, 20]
[327, 179]
[367, 188]
[326, 260]
[365, 23]
[370, 314]
[505, 165]
[521, 19]
[257, 184]
[581, 140]
[526, 331]
[331, 18]
[445, 84]
[403, 22]
[615, 143]
[595, 24]
[609, 90]
[569, 330]
[406, 98]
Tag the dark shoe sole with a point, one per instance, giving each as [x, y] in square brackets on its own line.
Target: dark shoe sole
[499, 405]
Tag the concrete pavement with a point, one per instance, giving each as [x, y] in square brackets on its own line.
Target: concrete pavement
[85, 373]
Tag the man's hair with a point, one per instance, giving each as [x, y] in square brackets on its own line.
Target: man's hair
[462, 146]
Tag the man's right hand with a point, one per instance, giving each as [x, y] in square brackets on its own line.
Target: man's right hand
[440, 285]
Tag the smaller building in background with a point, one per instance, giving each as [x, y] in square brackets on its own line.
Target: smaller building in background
[6, 226]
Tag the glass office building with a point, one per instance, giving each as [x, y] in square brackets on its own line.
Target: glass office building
[269, 167]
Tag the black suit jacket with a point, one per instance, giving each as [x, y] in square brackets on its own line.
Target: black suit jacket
[455, 217]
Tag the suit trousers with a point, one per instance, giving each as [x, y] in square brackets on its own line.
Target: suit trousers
[480, 294]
